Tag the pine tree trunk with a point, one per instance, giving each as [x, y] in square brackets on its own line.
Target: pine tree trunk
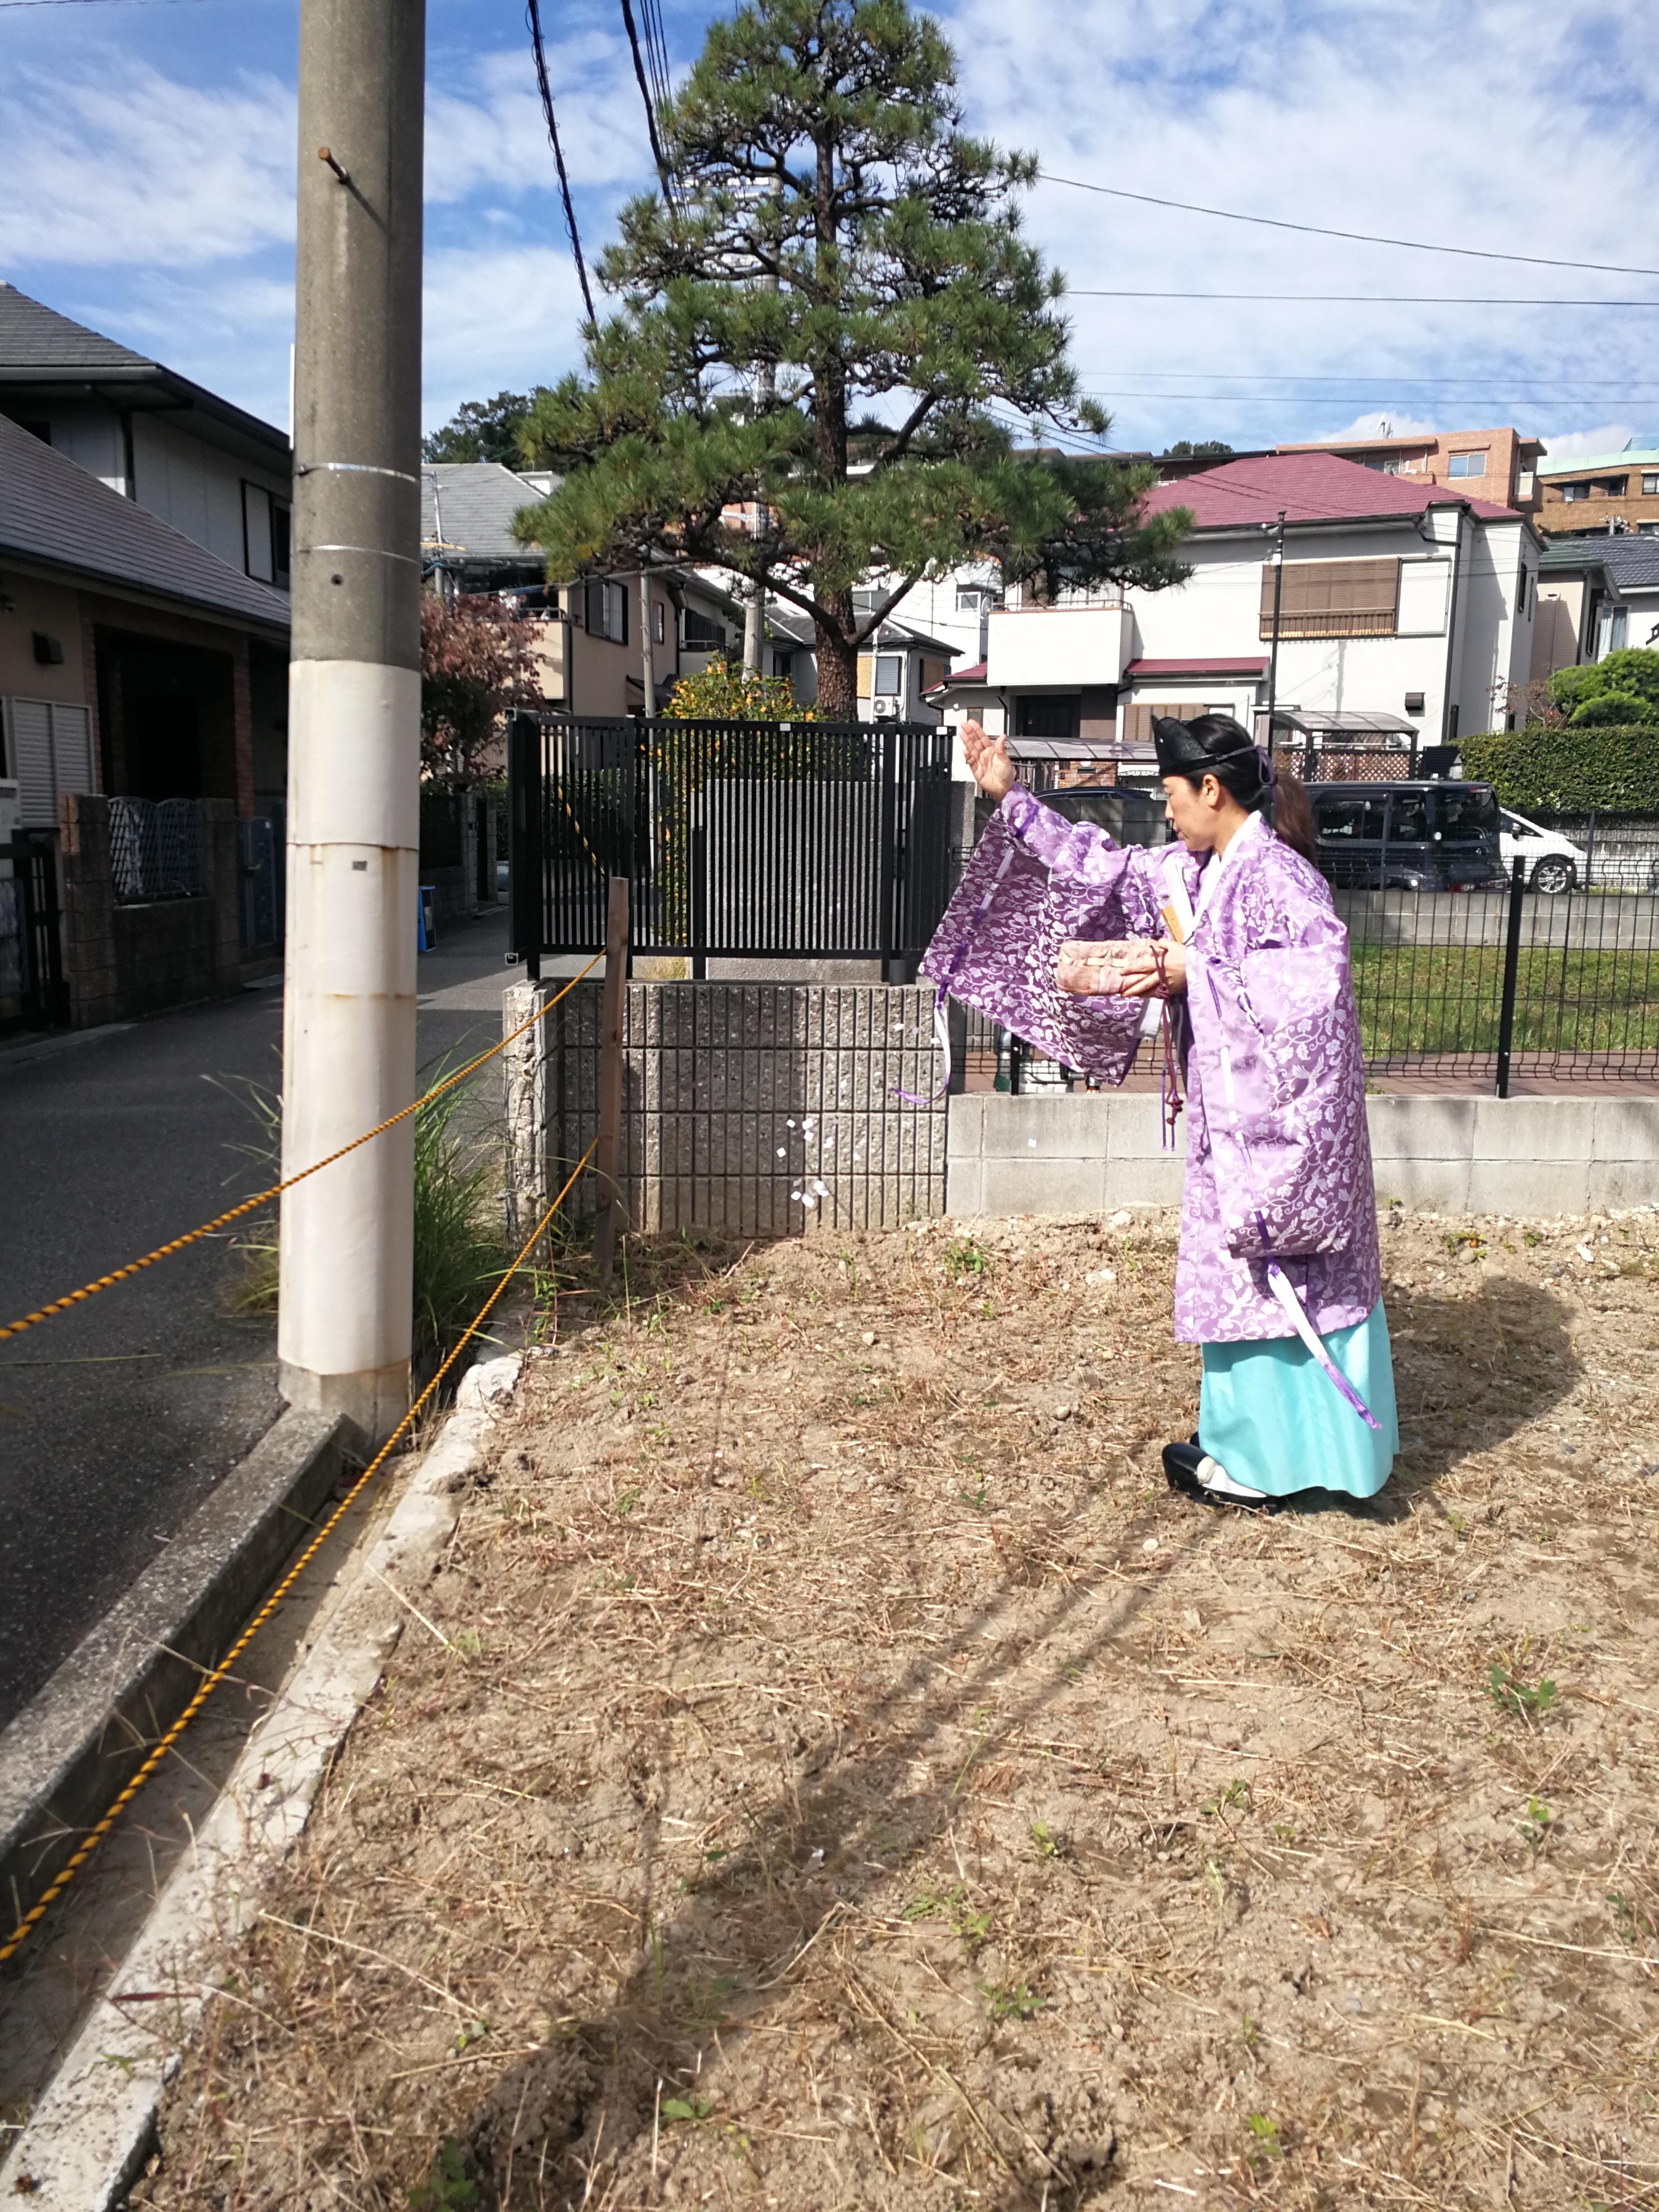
[838, 664]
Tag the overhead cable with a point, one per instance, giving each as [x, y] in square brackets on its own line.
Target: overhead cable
[533, 16]
[1351, 298]
[1354, 237]
[646, 96]
[1487, 383]
[1486, 397]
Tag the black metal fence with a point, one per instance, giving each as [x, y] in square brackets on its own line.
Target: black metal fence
[1496, 988]
[261, 879]
[740, 840]
[31, 938]
[1472, 991]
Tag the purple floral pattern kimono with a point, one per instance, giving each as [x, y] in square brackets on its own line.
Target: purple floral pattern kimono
[1278, 1160]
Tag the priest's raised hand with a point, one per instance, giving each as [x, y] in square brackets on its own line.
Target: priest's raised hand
[988, 760]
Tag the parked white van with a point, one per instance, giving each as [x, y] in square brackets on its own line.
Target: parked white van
[1552, 864]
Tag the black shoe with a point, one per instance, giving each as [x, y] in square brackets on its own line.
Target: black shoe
[1181, 1466]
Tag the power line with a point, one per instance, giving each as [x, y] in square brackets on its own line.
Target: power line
[1354, 237]
[646, 96]
[533, 16]
[1351, 299]
[1290, 399]
[1369, 376]
[78, 4]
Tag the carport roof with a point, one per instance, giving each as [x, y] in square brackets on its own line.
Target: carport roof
[53, 512]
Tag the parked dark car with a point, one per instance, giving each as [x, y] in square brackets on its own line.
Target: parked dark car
[1408, 836]
[1131, 815]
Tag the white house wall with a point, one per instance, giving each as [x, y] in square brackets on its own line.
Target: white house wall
[91, 438]
[1494, 644]
[196, 487]
[1216, 615]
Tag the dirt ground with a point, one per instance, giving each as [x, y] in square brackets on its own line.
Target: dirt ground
[830, 1770]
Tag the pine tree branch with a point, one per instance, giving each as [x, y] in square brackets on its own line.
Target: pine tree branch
[868, 630]
[900, 445]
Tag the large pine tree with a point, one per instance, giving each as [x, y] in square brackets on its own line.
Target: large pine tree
[835, 323]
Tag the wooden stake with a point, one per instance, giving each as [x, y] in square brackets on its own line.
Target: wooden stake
[607, 1160]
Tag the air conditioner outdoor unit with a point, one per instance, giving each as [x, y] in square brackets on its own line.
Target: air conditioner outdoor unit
[884, 710]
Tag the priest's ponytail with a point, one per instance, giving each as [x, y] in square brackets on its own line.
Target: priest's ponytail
[1293, 814]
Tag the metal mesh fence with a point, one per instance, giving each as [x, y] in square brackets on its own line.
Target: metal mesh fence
[758, 1109]
[158, 849]
[1429, 973]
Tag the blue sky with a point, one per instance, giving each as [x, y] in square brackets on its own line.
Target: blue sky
[150, 148]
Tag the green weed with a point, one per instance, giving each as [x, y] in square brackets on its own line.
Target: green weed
[693, 2110]
[449, 2182]
[457, 1246]
[952, 1906]
[1012, 2001]
[1535, 1828]
[1514, 1697]
[1265, 2139]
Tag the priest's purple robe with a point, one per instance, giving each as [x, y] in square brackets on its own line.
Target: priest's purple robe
[1279, 1162]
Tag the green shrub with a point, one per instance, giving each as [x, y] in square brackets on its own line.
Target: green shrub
[458, 1243]
[1610, 710]
[1630, 676]
[1569, 770]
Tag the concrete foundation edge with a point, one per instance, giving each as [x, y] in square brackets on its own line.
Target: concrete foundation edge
[92, 2131]
[1539, 1157]
[73, 1746]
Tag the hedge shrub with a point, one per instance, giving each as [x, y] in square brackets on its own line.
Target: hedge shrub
[1538, 770]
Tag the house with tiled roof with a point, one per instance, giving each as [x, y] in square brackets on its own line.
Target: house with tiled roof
[132, 660]
[1404, 615]
[214, 471]
[1595, 596]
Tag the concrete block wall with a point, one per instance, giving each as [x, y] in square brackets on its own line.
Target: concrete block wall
[761, 1108]
[1517, 1156]
[124, 961]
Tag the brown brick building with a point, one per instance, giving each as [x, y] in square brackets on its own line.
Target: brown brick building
[1602, 494]
[1500, 466]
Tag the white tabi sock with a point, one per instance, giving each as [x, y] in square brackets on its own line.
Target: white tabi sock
[1216, 1479]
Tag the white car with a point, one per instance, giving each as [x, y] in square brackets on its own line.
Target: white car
[1552, 864]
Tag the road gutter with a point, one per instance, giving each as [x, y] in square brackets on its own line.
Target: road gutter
[90, 2133]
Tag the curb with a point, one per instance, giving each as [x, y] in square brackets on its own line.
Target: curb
[90, 2133]
[65, 1755]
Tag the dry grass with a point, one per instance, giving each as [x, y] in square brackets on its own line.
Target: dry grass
[841, 1775]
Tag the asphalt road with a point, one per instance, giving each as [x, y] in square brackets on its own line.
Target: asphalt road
[117, 1419]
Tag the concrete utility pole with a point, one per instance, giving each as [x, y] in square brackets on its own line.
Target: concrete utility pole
[355, 710]
[754, 612]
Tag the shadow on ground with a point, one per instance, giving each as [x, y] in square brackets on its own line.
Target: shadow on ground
[550, 2131]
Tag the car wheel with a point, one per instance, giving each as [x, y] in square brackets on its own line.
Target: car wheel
[1554, 875]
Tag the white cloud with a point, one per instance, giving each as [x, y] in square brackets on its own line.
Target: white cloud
[1380, 425]
[1355, 116]
[154, 174]
[496, 319]
[487, 131]
[1581, 444]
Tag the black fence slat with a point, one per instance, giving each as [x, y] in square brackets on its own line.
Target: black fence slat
[809, 840]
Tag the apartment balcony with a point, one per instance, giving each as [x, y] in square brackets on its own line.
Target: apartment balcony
[1063, 647]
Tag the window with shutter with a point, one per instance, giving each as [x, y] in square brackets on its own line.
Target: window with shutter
[593, 608]
[1333, 599]
[1137, 719]
[48, 751]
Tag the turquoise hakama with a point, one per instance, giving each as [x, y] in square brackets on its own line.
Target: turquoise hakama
[1269, 1414]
